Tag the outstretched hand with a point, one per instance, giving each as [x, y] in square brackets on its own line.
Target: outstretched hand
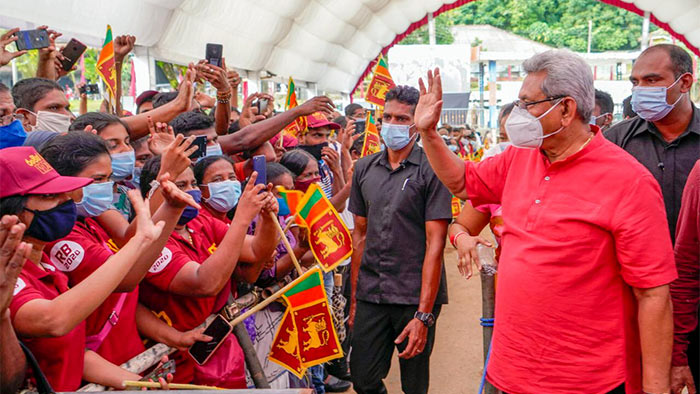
[427, 114]
[317, 104]
[161, 136]
[144, 224]
[13, 254]
[5, 40]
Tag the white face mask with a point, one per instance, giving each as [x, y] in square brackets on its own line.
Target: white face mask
[51, 121]
[524, 130]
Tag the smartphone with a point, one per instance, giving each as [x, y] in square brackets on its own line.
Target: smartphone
[262, 105]
[315, 150]
[218, 329]
[360, 126]
[201, 142]
[160, 372]
[260, 166]
[92, 88]
[71, 53]
[214, 54]
[31, 39]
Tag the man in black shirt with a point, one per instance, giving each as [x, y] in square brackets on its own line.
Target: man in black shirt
[401, 212]
[665, 138]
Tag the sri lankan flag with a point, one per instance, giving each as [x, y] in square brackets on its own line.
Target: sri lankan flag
[297, 127]
[105, 64]
[306, 336]
[329, 239]
[380, 84]
[372, 143]
[292, 198]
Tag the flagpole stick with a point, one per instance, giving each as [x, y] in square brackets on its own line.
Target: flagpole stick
[172, 386]
[290, 251]
[267, 301]
[290, 223]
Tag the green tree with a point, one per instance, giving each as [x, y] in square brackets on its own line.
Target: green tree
[559, 23]
[443, 35]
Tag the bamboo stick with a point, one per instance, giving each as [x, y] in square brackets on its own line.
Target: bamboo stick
[267, 301]
[172, 386]
[286, 243]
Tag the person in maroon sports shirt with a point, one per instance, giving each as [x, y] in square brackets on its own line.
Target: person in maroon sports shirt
[583, 287]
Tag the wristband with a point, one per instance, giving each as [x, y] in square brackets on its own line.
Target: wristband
[453, 239]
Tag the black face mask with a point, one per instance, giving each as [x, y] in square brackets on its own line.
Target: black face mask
[314, 150]
[54, 223]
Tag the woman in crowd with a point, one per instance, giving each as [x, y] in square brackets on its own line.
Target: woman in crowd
[221, 190]
[111, 329]
[191, 278]
[116, 135]
[47, 314]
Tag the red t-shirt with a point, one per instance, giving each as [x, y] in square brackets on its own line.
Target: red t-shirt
[78, 255]
[60, 358]
[579, 234]
[214, 214]
[685, 291]
[184, 312]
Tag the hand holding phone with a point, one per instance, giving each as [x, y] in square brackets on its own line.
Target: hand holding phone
[32, 39]
[160, 372]
[71, 53]
[201, 142]
[218, 329]
[262, 105]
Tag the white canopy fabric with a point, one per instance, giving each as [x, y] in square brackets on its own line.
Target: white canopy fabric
[326, 42]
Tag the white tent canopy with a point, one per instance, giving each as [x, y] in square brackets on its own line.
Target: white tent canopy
[326, 42]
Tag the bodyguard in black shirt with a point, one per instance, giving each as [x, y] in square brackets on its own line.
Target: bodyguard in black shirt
[665, 138]
[401, 213]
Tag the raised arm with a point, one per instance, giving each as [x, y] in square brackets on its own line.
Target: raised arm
[256, 134]
[56, 317]
[122, 46]
[208, 278]
[218, 78]
[138, 124]
[447, 166]
[13, 254]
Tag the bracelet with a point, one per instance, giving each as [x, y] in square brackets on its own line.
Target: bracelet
[223, 95]
[453, 239]
[222, 101]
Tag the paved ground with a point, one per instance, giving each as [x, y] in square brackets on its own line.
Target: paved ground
[457, 360]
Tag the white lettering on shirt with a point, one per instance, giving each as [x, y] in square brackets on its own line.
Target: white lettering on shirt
[163, 260]
[67, 255]
[19, 285]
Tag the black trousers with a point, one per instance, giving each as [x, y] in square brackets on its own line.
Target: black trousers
[376, 328]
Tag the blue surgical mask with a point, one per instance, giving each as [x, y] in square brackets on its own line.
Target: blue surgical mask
[453, 148]
[12, 134]
[223, 196]
[122, 165]
[649, 102]
[214, 150]
[136, 177]
[190, 212]
[396, 136]
[97, 198]
[52, 224]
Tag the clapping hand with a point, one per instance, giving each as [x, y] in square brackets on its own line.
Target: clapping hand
[13, 254]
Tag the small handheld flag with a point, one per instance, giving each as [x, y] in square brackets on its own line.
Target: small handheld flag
[105, 64]
[380, 84]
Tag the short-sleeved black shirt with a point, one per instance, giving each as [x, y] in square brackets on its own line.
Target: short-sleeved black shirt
[669, 162]
[397, 203]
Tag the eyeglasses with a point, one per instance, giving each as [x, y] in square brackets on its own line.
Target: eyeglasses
[523, 105]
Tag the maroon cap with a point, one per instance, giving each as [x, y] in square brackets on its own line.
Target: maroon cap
[148, 94]
[318, 119]
[24, 171]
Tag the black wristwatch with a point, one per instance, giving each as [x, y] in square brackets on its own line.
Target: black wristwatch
[427, 318]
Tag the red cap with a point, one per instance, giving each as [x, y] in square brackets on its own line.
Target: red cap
[287, 141]
[24, 171]
[148, 94]
[318, 119]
